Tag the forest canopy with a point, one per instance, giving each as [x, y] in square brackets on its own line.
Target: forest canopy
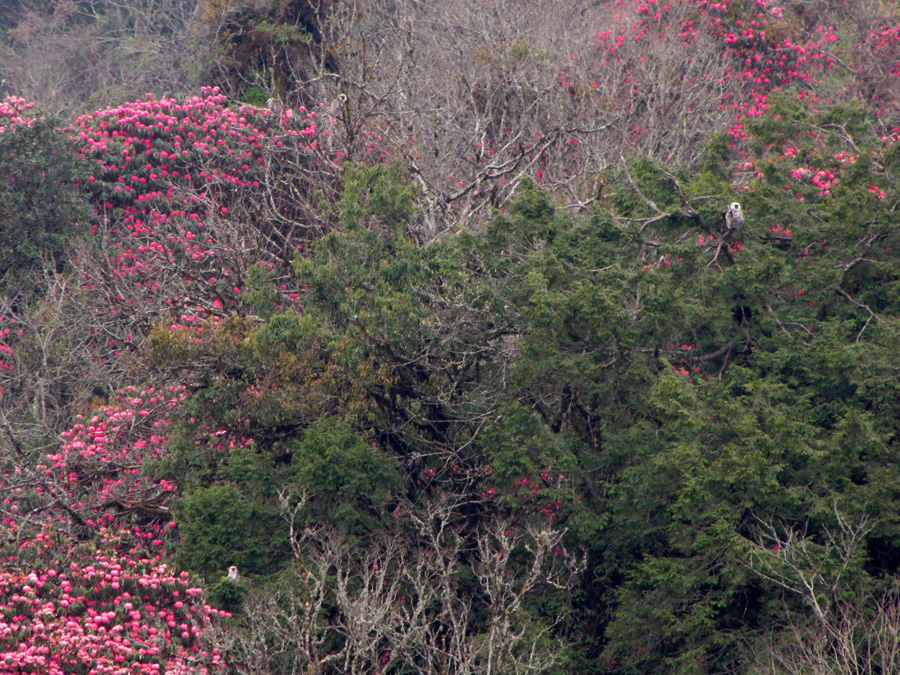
[350, 336]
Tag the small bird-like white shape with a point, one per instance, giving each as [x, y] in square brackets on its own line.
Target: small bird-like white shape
[275, 106]
[734, 217]
[233, 575]
[336, 109]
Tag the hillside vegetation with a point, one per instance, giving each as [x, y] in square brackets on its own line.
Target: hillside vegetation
[425, 316]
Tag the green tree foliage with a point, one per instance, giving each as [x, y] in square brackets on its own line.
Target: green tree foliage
[751, 427]
[222, 527]
[687, 403]
[444, 419]
[348, 480]
[270, 45]
[42, 211]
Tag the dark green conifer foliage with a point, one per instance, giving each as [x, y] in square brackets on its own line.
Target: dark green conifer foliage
[682, 410]
[42, 211]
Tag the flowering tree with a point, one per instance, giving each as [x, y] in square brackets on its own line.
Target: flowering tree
[272, 348]
[475, 101]
[116, 614]
[83, 586]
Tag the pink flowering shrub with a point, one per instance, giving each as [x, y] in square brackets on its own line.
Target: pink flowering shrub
[738, 53]
[169, 175]
[104, 614]
[83, 587]
[101, 460]
[12, 113]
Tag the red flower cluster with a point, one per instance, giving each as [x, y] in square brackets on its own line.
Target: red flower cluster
[113, 616]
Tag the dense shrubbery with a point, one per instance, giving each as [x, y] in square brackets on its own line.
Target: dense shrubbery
[43, 207]
[590, 430]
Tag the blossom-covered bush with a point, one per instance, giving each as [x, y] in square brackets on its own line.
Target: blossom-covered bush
[110, 614]
[167, 190]
[84, 586]
[539, 371]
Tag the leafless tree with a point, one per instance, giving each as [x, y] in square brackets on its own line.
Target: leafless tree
[53, 368]
[813, 570]
[72, 56]
[860, 637]
[401, 599]
[846, 631]
[476, 97]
